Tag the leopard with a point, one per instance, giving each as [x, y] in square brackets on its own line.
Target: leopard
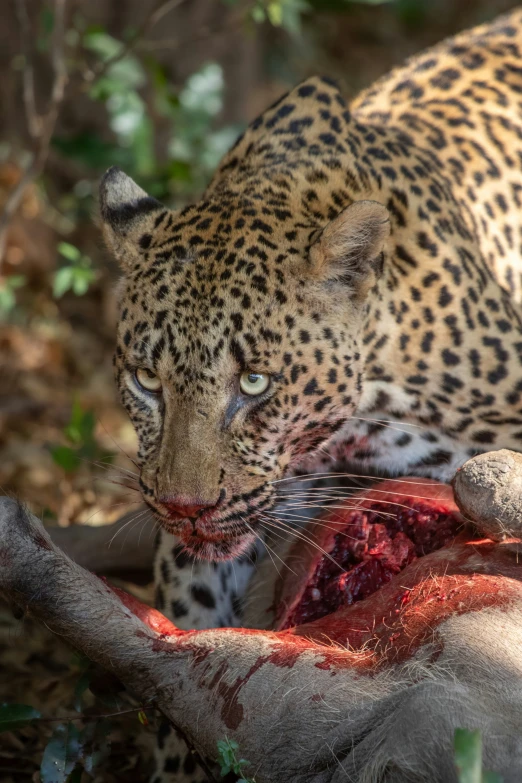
[347, 291]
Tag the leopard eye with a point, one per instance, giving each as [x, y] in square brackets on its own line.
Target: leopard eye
[148, 380]
[254, 383]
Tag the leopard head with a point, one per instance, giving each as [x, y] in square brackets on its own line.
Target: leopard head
[239, 344]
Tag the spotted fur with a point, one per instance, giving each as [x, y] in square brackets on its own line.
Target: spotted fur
[367, 257]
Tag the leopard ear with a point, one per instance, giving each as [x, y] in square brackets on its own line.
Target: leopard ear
[128, 216]
[349, 249]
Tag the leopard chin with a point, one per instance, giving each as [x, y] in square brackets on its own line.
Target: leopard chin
[218, 551]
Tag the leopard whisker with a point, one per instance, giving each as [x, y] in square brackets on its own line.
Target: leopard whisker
[123, 527]
[327, 474]
[270, 552]
[112, 505]
[117, 444]
[316, 522]
[278, 524]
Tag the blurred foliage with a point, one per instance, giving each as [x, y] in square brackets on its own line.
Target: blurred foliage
[195, 146]
[82, 444]
[468, 758]
[137, 96]
[76, 276]
[8, 287]
[72, 749]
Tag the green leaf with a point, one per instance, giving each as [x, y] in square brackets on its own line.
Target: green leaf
[88, 425]
[258, 14]
[227, 759]
[75, 278]
[61, 754]
[81, 424]
[66, 458]
[7, 299]
[275, 13]
[468, 755]
[70, 252]
[82, 279]
[16, 716]
[7, 288]
[62, 281]
[74, 429]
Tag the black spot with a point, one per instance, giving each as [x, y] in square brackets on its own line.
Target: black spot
[311, 387]
[203, 596]
[159, 598]
[189, 765]
[306, 90]
[160, 318]
[403, 440]
[427, 341]
[165, 570]
[179, 609]
[434, 460]
[484, 436]
[322, 403]
[449, 358]
[163, 732]
[171, 764]
[498, 374]
[444, 296]
[237, 320]
[238, 353]
[181, 557]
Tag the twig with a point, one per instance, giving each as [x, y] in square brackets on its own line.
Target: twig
[158, 12]
[102, 716]
[34, 121]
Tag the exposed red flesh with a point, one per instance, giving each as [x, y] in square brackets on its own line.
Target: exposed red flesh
[151, 617]
[378, 533]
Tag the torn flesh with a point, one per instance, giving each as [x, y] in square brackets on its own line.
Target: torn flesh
[365, 542]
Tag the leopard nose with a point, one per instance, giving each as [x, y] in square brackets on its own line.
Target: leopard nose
[185, 508]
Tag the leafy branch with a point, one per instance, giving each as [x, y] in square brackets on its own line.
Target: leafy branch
[41, 126]
[227, 757]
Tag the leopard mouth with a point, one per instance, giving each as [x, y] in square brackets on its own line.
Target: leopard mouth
[358, 549]
[215, 532]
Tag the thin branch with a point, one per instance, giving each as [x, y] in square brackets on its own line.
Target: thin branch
[34, 121]
[158, 12]
[86, 718]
